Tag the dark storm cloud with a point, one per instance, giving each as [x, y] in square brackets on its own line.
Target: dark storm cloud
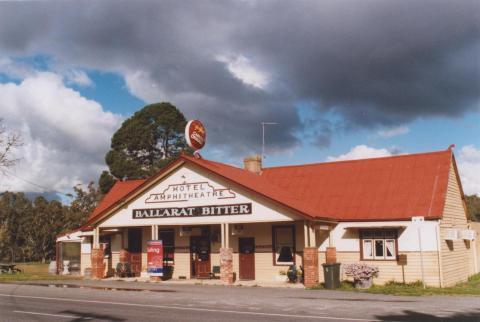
[370, 63]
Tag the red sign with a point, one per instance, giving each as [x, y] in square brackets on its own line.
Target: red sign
[155, 258]
[195, 134]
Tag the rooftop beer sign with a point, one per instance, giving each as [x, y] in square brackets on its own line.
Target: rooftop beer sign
[201, 211]
[195, 134]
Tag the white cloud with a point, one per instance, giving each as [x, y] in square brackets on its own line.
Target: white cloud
[15, 70]
[140, 84]
[469, 168]
[241, 67]
[361, 152]
[77, 77]
[393, 131]
[65, 135]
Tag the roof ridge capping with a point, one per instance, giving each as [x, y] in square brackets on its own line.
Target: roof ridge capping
[449, 150]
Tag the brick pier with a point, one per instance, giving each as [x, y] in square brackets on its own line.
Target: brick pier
[310, 266]
[226, 265]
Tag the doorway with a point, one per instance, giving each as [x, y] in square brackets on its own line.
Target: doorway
[135, 249]
[200, 256]
[246, 247]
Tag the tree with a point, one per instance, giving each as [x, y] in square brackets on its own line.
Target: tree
[105, 182]
[82, 206]
[15, 217]
[473, 207]
[47, 222]
[146, 142]
[8, 141]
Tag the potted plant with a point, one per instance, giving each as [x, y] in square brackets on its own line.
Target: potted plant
[362, 274]
[292, 273]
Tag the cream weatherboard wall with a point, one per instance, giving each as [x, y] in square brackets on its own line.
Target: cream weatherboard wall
[457, 255]
[346, 239]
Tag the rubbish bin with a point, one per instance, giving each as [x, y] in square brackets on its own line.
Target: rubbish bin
[331, 275]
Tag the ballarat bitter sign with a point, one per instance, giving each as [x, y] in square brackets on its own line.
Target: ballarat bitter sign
[219, 210]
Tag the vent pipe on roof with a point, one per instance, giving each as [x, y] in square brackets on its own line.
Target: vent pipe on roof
[253, 164]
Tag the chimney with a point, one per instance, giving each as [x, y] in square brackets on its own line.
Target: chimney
[253, 164]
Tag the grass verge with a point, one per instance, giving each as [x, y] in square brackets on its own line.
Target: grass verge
[471, 287]
[34, 272]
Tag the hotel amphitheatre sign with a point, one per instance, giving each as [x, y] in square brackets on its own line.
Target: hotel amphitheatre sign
[194, 191]
[190, 192]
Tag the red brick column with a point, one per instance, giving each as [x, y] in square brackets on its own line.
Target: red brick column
[310, 266]
[98, 266]
[226, 265]
[331, 255]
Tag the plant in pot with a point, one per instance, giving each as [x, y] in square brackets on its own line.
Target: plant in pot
[292, 273]
[362, 274]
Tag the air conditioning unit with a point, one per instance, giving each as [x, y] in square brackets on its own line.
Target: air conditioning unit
[468, 234]
[451, 234]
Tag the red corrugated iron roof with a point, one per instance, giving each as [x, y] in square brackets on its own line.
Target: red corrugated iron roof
[388, 188]
[119, 191]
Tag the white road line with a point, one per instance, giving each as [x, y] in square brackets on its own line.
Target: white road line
[56, 315]
[315, 317]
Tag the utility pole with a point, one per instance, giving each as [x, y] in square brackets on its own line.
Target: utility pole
[263, 136]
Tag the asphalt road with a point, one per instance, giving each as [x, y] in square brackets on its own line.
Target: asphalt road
[218, 303]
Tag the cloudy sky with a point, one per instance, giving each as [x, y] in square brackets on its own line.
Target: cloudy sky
[343, 79]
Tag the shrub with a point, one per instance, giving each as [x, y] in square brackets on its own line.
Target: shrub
[360, 272]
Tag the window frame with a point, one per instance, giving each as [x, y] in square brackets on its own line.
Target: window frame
[274, 248]
[373, 239]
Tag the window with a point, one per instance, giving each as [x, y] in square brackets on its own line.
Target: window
[168, 240]
[378, 244]
[283, 245]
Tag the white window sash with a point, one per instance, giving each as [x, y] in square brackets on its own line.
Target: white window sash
[392, 250]
[367, 252]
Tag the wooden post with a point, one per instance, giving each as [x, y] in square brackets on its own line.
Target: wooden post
[222, 233]
[313, 242]
[306, 240]
[96, 237]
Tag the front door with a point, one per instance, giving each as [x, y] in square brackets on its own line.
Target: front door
[246, 248]
[200, 256]
[135, 250]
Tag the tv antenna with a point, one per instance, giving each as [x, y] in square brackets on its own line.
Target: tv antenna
[263, 136]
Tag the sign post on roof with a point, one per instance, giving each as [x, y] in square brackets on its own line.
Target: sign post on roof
[195, 135]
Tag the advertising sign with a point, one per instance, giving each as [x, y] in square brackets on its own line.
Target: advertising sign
[195, 134]
[200, 211]
[155, 258]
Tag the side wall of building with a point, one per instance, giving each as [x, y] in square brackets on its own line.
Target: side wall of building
[346, 239]
[456, 255]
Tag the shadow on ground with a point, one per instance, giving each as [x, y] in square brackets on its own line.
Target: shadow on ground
[81, 316]
[473, 316]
